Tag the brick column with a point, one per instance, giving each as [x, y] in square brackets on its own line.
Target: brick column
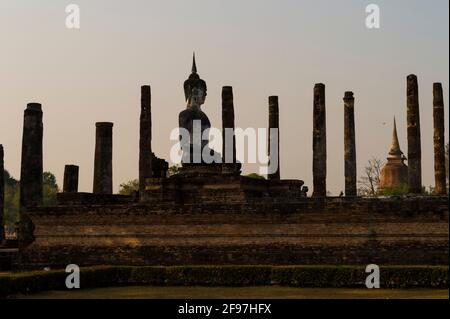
[319, 143]
[349, 145]
[103, 159]
[228, 151]
[414, 144]
[31, 166]
[274, 137]
[71, 173]
[145, 139]
[31, 171]
[439, 143]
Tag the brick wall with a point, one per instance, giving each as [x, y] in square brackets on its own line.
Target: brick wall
[334, 231]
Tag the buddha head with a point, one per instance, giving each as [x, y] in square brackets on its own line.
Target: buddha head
[195, 88]
[197, 97]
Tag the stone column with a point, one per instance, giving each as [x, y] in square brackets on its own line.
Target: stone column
[145, 139]
[31, 166]
[274, 138]
[414, 145]
[228, 149]
[2, 193]
[71, 173]
[31, 170]
[319, 143]
[439, 144]
[349, 144]
[103, 159]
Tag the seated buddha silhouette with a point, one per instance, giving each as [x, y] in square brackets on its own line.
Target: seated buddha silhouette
[194, 124]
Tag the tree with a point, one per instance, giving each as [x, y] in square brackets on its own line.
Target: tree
[129, 188]
[394, 191]
[368, 183]
[173, 170]
[255, 176]
[12, 195]
[50, 189]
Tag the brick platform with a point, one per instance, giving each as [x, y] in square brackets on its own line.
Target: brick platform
[389, 231]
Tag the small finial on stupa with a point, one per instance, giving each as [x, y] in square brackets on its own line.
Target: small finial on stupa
[395, 146]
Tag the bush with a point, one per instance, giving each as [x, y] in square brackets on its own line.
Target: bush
[296, 276]
[393, 191]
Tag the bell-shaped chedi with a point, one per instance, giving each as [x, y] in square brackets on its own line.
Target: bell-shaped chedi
[395, 172]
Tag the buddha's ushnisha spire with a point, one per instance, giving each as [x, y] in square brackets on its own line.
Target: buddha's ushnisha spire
[194, 65]
[193, 81]
[395, 146]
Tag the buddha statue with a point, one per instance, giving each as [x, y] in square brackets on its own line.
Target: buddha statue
[195, 122]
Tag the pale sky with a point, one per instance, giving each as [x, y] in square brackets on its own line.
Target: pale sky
[260, 47]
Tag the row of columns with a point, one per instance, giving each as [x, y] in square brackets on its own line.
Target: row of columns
[32, 160]
[103, 168]
[414, 141]
[32, 168]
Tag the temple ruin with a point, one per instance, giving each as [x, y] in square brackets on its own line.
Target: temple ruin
[209, 213]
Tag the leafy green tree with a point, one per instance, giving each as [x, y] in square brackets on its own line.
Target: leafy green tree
[12, 195]
[129, 188]
[393, 191]
[173, 170]
[50, 189]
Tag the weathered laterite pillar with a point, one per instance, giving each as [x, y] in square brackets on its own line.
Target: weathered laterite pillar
[145, 139]
[2, 193]
[31, 169]
[414, 144]
[71, 173]
[228, 151]
[319, 142]
[349, 144]
[103, 158]
[31, 166]
[274, 138]
[439, 144]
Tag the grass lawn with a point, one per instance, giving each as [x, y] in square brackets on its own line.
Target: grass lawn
[262, 292]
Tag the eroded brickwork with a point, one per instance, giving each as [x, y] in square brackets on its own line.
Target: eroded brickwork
[332, 231]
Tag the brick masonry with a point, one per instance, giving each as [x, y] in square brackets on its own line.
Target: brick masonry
[409, 230]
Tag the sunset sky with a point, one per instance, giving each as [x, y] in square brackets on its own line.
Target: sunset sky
[260, 47]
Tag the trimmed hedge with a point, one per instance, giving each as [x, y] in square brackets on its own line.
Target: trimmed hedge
[297, 276]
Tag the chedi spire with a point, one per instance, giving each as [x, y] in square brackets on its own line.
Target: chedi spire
[395, 145]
